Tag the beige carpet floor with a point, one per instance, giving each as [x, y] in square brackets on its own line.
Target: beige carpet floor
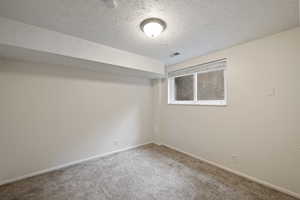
[150, 172]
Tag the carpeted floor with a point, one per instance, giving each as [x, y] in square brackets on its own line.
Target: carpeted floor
[150, 172]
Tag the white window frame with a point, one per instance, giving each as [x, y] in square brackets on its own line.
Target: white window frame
[171, 90]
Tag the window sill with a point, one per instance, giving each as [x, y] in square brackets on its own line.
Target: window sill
[199, 103]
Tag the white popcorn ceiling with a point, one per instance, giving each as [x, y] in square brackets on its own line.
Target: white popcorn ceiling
[194, 27]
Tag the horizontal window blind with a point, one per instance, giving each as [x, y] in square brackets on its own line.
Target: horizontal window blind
[214, 65]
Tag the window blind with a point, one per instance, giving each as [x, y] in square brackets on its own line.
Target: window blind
[214, 65]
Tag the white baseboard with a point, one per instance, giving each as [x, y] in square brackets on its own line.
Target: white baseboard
[267, 184]
[68, 164]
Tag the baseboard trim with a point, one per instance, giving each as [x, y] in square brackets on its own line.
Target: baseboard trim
[264, 183]
[69, 164]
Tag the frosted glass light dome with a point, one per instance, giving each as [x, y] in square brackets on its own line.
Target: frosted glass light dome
[153, 27]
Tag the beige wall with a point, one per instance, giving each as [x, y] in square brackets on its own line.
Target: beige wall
[51, 115]
[260, 129]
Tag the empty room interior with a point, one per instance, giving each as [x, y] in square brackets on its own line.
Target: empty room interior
[149, 100]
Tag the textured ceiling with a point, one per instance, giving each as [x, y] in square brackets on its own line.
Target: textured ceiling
[195, 27]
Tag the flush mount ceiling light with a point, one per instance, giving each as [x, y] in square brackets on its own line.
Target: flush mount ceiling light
[153, 27]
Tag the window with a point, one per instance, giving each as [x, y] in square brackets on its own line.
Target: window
[184, 88]
[200, 85]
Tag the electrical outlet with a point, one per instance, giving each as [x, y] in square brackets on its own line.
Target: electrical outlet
[271, 92]
[235, 159]
[116, 143]
[155, 129]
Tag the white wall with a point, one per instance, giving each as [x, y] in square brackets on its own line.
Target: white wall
[262, 130]
[52, 115]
